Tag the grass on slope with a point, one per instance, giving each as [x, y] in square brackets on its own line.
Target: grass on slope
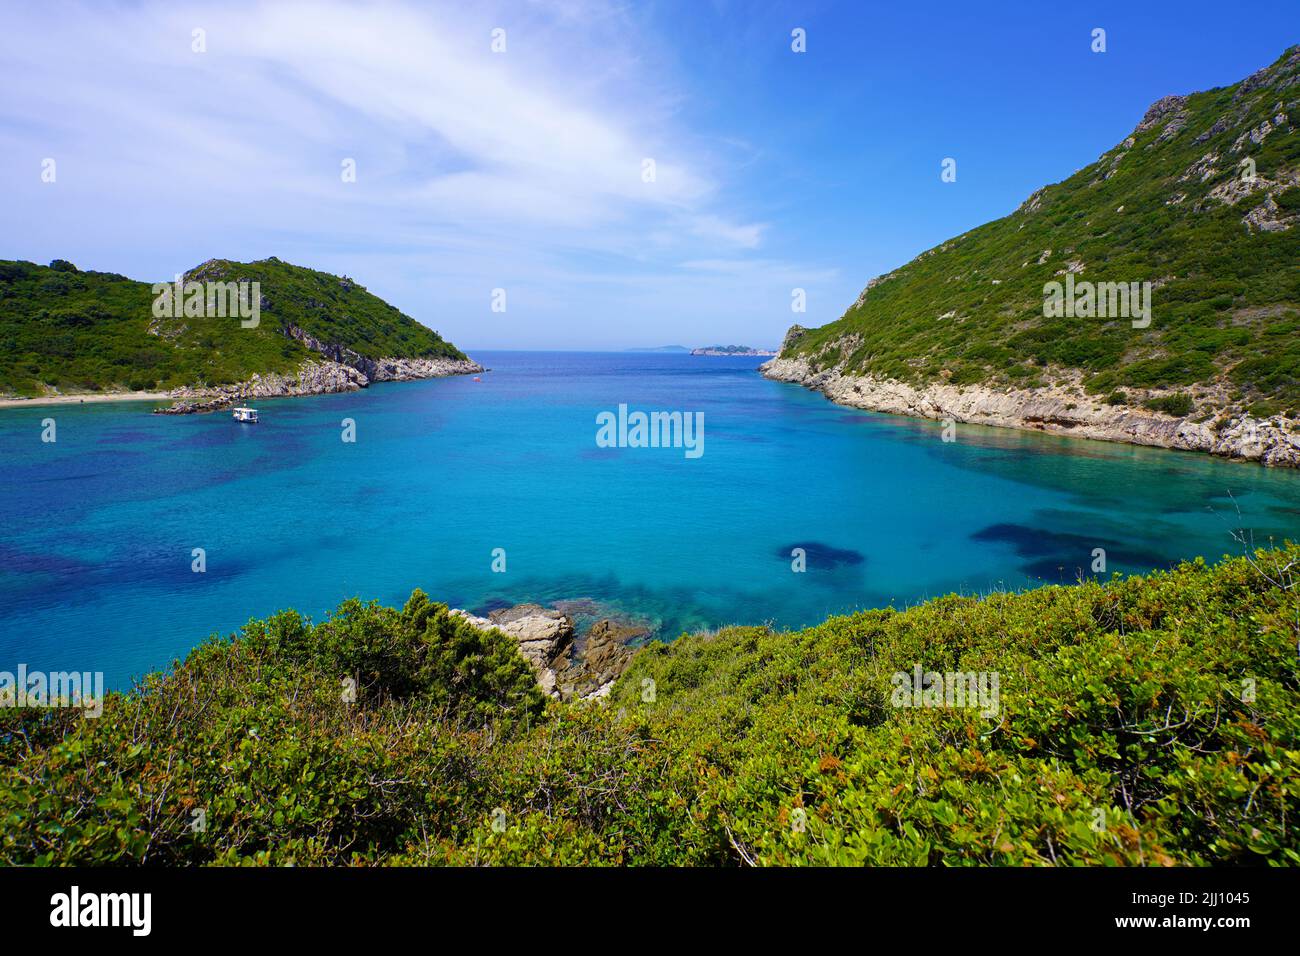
[89, 331]
[1150, 720]
[1226, 309]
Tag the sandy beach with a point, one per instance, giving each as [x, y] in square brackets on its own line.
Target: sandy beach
[86, 399]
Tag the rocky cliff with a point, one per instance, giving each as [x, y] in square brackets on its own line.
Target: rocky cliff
[1060, 409]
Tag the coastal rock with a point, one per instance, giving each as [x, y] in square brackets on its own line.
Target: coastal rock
[603, 658]
[543, 636]
[582, 671]
[384, 369]
[1063, 410]
[313, 378]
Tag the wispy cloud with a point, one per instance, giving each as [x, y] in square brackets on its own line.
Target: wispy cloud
[489, 167]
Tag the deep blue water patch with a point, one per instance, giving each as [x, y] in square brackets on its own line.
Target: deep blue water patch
[1061, 556]
[822, 557]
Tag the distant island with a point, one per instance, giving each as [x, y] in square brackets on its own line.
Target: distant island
[732, 350]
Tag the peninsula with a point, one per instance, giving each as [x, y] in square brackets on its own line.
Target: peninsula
[76, 336]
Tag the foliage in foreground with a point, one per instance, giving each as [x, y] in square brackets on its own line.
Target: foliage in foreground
[1126, 736]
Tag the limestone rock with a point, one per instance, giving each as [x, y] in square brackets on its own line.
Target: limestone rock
[795, 333]
[585, 670]
[1060, 409]
[603, 658]
[1165, 106]
[315, 378]
[542, 634]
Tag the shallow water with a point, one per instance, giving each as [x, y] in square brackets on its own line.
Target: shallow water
[97, 529]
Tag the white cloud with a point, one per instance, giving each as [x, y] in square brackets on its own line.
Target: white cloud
[746, 235]
[527, 163]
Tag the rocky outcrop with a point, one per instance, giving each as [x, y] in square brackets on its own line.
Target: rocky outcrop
[543, 637]
[383, 369]
[796, 332]
[1161, 108]
[603, 657]
[1268, 217]
[1060, 410]
[412, 369]
[581, 669]
[313, 378]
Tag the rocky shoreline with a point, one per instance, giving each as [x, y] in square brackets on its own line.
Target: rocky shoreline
[1060, 410]
[568, 666]
[316, 377]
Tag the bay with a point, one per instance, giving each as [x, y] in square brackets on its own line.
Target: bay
[98, 529]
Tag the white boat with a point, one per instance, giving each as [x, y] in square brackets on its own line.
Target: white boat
[246, 415]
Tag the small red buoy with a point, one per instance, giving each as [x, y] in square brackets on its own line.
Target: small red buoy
[477, 379]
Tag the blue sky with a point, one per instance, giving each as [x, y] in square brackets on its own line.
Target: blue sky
[523, 170]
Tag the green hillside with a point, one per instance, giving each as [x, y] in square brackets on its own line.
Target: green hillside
[1143, 721]
[1168, 205]
[89, 331]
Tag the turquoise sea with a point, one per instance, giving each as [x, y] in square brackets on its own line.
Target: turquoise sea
[98, 528]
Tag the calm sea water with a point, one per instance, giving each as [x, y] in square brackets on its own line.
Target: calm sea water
[97, 529]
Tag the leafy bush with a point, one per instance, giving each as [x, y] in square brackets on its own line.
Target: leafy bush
[1142, 721]
[1178, 404]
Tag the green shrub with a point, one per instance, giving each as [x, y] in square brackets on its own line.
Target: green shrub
[1142, 721]
[1178, 404]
